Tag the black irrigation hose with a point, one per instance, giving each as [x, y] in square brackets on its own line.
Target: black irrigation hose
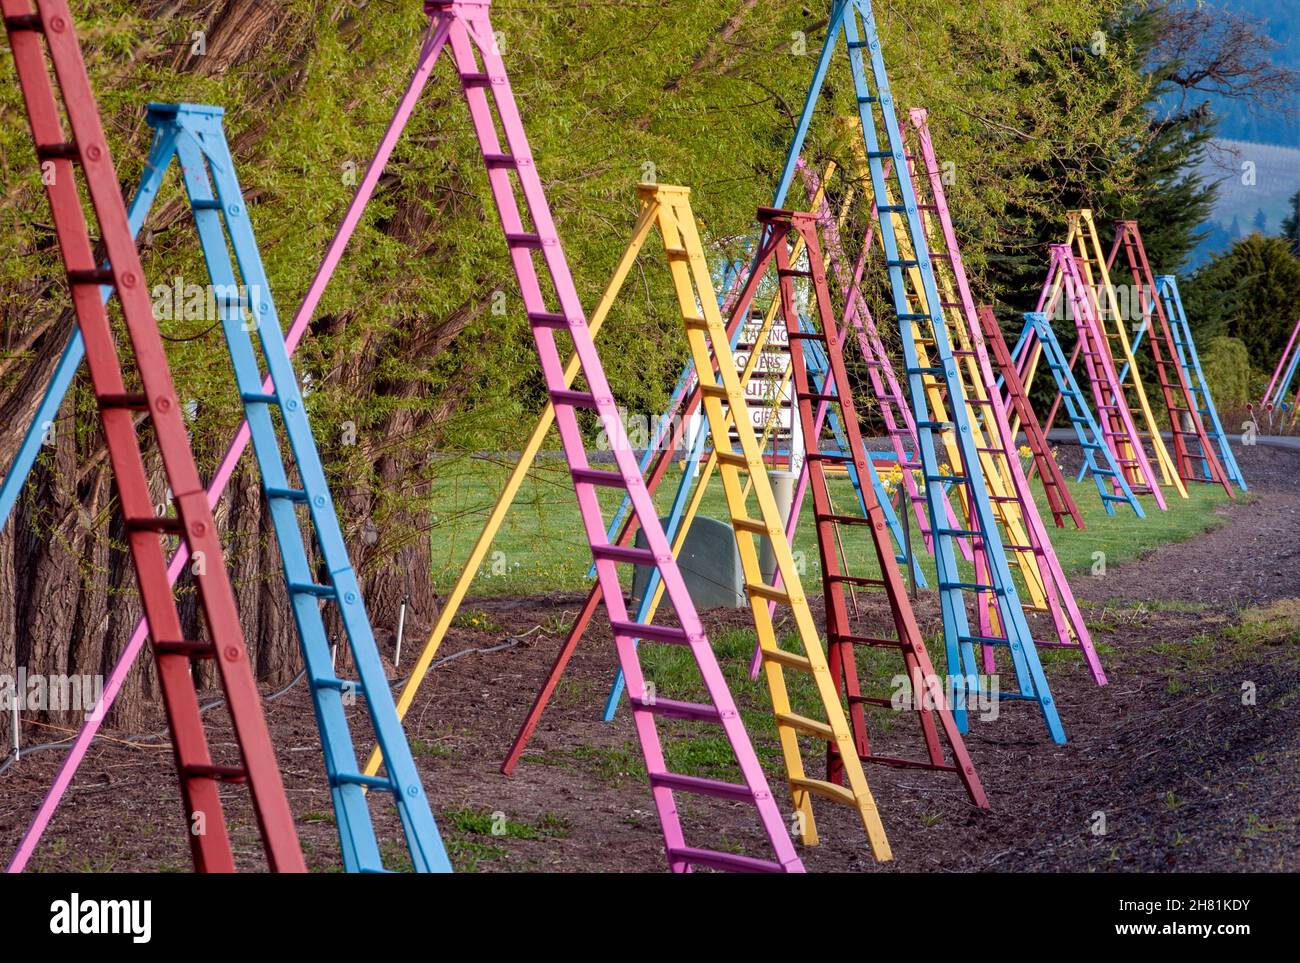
[164, 735]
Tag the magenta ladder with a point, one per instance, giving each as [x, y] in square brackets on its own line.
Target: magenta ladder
[466, 27]
[1113, 414]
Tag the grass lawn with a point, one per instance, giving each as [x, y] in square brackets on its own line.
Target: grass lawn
[540, 547]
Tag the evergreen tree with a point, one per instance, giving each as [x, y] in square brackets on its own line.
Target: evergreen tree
[1251, 292]
[1291, 224]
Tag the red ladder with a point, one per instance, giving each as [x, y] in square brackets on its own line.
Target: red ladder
[193, 523]
[841, 637]
[1183, 410]
[1059, 499]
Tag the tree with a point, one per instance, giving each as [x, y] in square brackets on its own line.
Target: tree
[1251, 292]
[1291, 223]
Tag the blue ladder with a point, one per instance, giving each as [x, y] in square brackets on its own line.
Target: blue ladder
[1080, 416]
[193, 135]
[1185, 345]
[963, 665]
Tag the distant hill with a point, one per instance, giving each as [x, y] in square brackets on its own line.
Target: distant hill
[1266, 139]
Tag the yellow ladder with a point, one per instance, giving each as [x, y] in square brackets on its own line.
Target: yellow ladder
[744, 475]
[1082, 234]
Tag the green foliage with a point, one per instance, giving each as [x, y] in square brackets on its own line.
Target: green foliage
[1250, 292]
[1226, 365]
[1030, 110]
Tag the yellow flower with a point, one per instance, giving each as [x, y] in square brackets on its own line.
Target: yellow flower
[1026, 451]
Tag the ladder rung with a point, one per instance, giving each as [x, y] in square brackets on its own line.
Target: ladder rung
[131, 401]
[594, 476]
[791, 660]
[576, 399]
[970, 587]
[809, 727]
[494, 161]
[339, 685]
[727, 862]
[547, 319]
[769, 592]
[981, 640]
[154, 523]
[195, 770]
[257, 398]
[754, 526]
[735, 458]
[826, 456]
[827, 790]
[360, 779]
[475, 80]
[289, 494]
[925, 371]
[806, 336]
[818, 396]
[527, 240]
[793, 273]
[205, 204]
[842, 519]
[96, 276]
[311, 588]
[936, 425]
[715, 391]
[186, 647]
[67, 150]
[869, 640]
[25, 21]
[623, 554]
[855, 580]
[700, 786]
[654, 633]
[958, 532]
[671, 708]
[903, 263]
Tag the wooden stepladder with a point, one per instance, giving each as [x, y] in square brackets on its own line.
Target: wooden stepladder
[143, 385]
[1192, 446]
[1189, 360]
[928, 697]
[551, 305]
[744, 474]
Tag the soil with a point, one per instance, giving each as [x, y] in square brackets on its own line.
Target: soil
[1185, 761]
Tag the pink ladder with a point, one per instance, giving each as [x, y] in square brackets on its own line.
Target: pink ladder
[1113, 413]
[466, 27]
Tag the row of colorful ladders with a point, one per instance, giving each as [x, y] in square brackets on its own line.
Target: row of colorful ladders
[1276, 392]
[1189, 363]
[193, 136]
[1193, 445]
[32, 36]
[464, 26]
[1068, 292]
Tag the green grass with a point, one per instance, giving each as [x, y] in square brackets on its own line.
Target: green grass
[540, 547]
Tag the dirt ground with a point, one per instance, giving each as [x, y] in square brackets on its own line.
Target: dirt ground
[1187, 759]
